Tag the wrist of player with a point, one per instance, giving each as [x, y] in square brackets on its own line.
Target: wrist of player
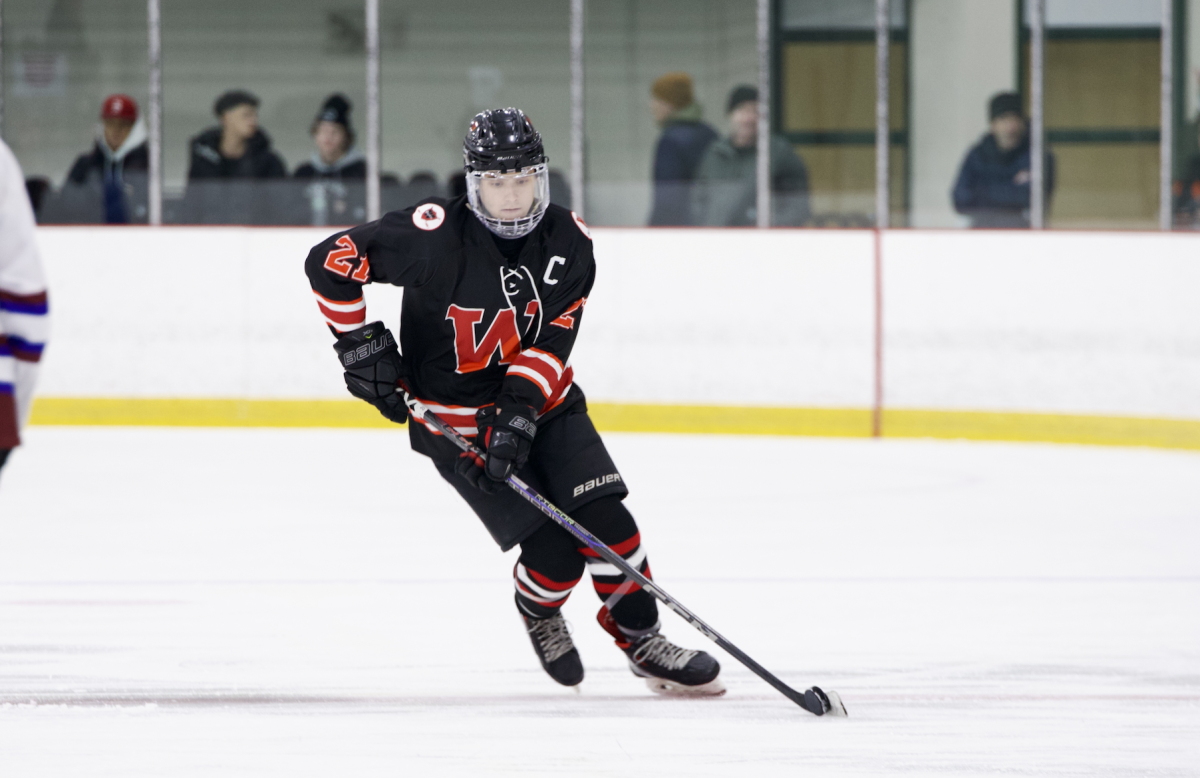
[506, 436]
[374, 370]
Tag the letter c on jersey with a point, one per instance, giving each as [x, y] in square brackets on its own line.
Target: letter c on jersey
[550, 269]
[501, 334]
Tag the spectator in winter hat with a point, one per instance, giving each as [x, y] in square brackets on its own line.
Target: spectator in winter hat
[726, 183]
[237, 147]
[337, 171]
[107, 185]
[993, 186]
[682, 142]
[335, 155]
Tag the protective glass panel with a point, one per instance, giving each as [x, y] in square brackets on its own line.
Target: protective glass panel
[444, 62]
[837, 14]
[965, 169]
[61, 60]
[826, 110]
[1102, 87]
[250, 135]
[1185, 183]
[1099, 13]
[660, 136]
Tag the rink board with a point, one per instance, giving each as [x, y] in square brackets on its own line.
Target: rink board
[1079, 337]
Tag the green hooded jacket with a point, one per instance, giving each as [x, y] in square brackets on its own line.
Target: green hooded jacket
[725, 194]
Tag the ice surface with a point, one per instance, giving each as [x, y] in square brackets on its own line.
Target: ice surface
[318, 603]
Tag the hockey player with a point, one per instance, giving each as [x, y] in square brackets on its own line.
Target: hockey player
[495, 284]
[23, 312]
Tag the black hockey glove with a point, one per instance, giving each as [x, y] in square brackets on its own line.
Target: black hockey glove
[506, 436]
[374, 369]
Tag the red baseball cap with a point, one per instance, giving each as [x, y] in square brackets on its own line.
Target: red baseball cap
[119, 107]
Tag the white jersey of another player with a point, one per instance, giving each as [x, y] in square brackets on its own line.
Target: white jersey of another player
[24, 320]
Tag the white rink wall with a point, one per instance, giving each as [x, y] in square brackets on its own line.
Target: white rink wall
[1059, 322]
[1070, 322]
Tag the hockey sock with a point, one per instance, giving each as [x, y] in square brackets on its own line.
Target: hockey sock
[612, 524]
[546, 572]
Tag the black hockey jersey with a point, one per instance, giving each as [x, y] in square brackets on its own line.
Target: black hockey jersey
[475, 328]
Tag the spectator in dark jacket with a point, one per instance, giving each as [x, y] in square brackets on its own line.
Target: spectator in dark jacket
[237, 148]
[680, 146]
[108, 185]
[993, 186]
[726, 193]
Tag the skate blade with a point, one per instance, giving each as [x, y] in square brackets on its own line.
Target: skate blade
[714, 688]
[836, 707]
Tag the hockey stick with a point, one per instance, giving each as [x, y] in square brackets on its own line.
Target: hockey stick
[813, 700]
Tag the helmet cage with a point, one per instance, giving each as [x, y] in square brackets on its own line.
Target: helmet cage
[511, 228]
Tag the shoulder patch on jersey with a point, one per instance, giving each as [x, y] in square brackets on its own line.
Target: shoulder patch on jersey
[429, 216]
[581, 225]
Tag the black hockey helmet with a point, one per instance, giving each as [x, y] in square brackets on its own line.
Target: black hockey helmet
[503, 150]
[502, 139]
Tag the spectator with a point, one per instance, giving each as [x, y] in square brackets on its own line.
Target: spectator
[108, 184]
[337, 171]
[993, 186]
[726, 184]
[680, 147]
[1186, 190]
[335, 155]
[237, 148]
[38, 188]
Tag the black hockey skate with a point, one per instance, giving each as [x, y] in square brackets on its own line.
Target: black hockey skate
[667, 668]
[552, 642]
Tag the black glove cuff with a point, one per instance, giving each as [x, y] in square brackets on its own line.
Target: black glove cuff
[518, 419]
[364, 346]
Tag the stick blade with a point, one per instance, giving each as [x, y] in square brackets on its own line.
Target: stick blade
[821, 703]
[836, 706]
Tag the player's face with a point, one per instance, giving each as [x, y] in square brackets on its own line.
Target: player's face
[508, 196]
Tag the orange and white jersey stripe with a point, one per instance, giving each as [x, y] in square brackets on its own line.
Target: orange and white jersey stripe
[344, 315]
[546, 372]
[459, 417]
